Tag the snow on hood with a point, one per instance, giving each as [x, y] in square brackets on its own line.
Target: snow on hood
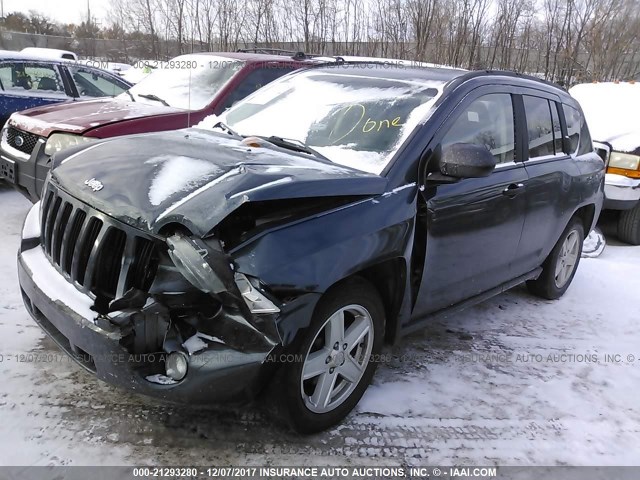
[78, 117]
[177, 173]
[611, 110]
[33, 124]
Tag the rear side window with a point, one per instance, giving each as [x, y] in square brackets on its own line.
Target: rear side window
[557, 127]
[487, 121]
[31, 79]
[577, 131]
[94, 84]
[543, 127]
[254, 80]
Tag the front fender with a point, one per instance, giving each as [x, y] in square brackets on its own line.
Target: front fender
[299, 262]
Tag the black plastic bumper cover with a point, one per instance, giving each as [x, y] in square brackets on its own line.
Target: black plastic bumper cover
[217, 374]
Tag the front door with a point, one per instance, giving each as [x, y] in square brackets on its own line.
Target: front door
[473, 226]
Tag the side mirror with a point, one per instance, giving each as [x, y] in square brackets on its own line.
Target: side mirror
[466, 160]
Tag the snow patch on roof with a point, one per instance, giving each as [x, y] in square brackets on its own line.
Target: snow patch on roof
[611, 110]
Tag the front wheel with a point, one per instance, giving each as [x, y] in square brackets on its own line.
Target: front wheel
[560, 266]
[333, 365]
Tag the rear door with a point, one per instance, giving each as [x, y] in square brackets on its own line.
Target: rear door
[473, 226]
[551, 171]
[27, 84]
[91, 83]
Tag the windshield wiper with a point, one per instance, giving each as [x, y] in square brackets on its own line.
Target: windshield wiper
[156, 98]
[295, 145]
[133, 99]
[226, 128]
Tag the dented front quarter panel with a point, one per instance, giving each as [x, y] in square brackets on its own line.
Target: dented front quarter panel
[302, 260]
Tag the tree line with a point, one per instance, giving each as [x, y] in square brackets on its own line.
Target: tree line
[566, 41]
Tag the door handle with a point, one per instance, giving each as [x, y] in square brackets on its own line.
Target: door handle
[513, 189]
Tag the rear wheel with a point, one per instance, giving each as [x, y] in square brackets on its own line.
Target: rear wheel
[629, 225]
[560, 266]
[333, 364]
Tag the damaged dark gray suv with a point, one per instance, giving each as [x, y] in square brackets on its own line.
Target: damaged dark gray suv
[285, 242]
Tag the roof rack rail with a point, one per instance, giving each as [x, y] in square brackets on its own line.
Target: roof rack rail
[274, 51]
[337, 58]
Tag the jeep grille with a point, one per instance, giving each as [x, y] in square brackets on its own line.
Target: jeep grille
[99, 255]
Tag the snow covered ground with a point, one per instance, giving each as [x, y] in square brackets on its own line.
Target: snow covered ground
[515, 380]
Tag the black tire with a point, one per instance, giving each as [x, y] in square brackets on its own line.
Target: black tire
[629, 225]
[546, 285]
[353, 292]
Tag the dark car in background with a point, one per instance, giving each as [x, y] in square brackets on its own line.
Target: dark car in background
[28, 81]
[179, 93]
[330, 212]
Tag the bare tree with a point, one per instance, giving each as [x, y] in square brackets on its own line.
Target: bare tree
[561, 40]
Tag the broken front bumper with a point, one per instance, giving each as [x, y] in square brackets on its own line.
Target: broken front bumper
[217, 371]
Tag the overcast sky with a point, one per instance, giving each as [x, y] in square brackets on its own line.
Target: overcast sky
[66, 11]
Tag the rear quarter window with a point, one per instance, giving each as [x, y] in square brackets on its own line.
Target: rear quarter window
[577, 131]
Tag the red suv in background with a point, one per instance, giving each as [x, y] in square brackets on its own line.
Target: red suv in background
[179, 93]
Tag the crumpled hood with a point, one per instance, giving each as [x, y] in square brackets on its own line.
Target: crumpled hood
[80, 116]
[196, 178]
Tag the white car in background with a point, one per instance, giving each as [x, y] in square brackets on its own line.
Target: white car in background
[612, 110]
[53, 53]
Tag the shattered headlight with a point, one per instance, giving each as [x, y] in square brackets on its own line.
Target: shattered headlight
[254, 299]
[60, 141]
[192, 264]
[190, 258]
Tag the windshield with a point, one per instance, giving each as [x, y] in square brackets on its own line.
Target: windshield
[189, 81]
[354, 120]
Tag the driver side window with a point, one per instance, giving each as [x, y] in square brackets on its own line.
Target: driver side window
[487, 121]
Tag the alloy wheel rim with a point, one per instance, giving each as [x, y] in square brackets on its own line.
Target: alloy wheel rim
[567, 259]
[337, 359]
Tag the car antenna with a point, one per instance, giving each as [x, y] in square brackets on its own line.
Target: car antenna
[189, 102]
